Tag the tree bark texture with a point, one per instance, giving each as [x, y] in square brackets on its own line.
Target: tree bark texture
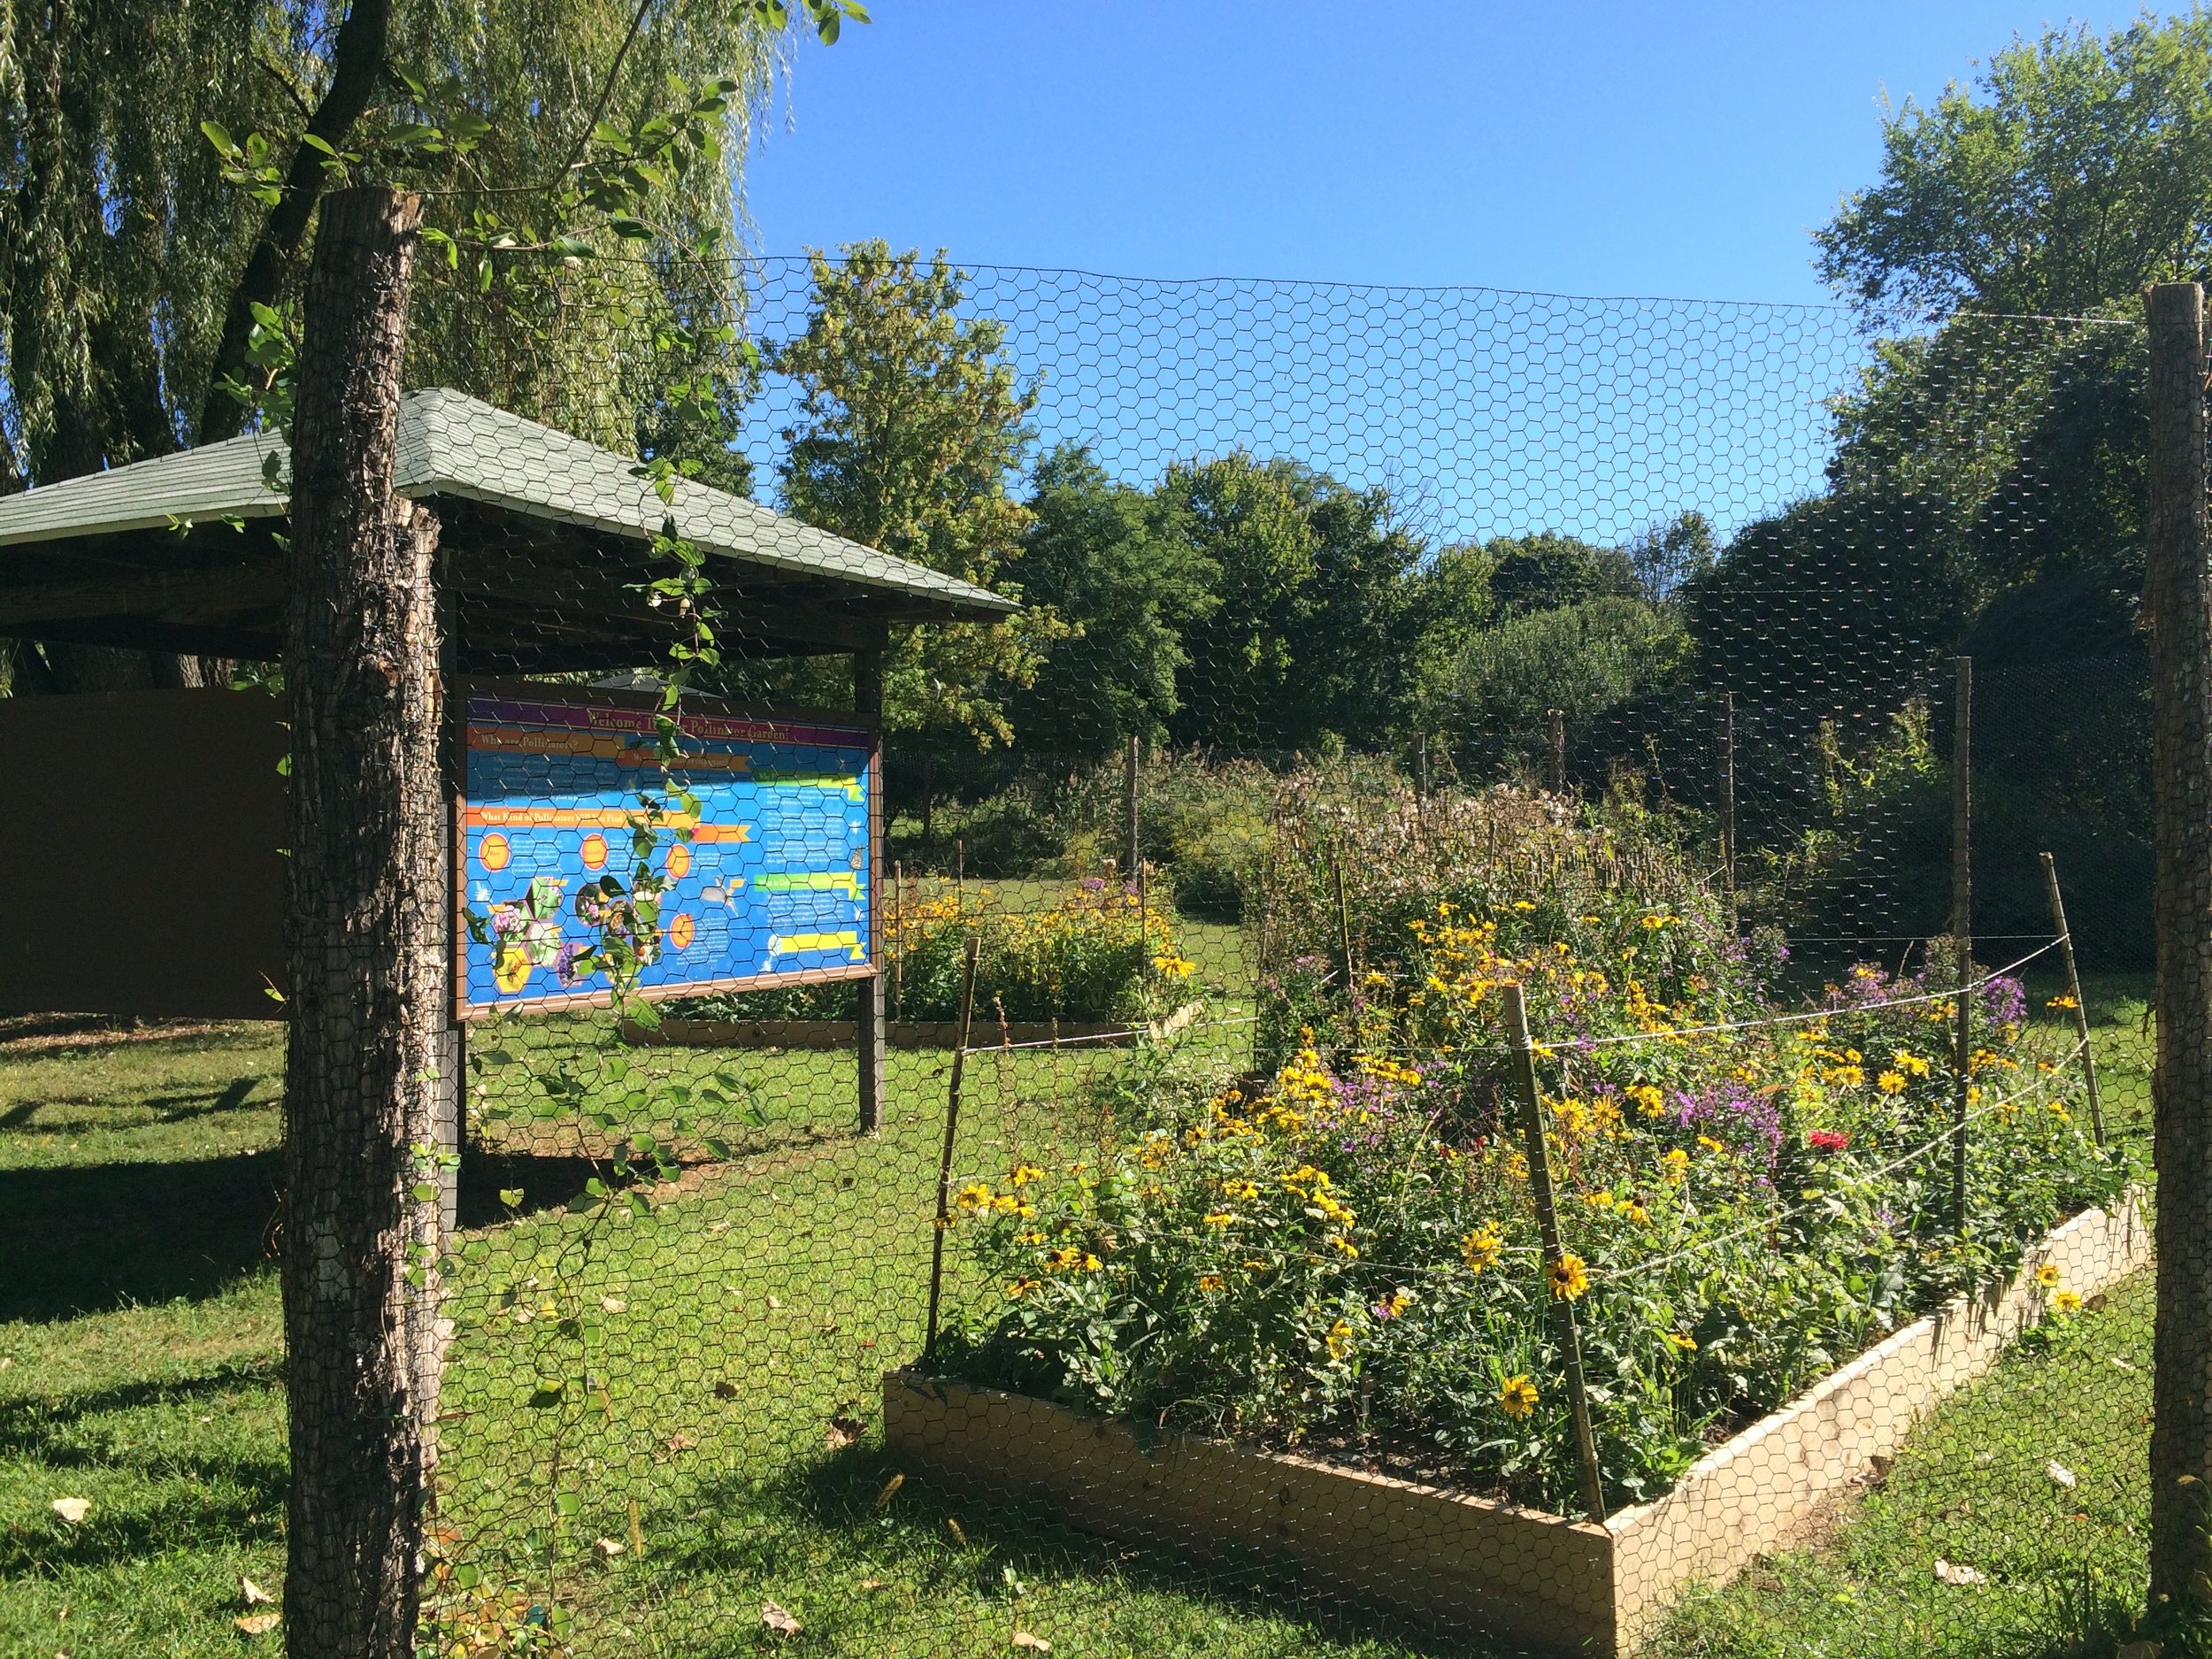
[367, 955]
[2175, 595]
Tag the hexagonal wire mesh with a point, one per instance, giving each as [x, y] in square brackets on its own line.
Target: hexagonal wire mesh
[1241, 1285]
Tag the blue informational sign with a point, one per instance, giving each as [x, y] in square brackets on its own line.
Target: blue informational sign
[770, 883]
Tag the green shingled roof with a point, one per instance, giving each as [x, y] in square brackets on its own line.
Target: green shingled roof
[454, 446]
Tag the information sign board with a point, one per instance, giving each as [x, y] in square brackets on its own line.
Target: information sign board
[771, 883]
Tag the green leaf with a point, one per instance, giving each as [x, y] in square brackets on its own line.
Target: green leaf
[220, 137]
[512, 1197]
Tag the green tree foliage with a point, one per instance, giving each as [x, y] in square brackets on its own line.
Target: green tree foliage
[1545, 570]
[1116, 564]
[1493, 696]
[911, 428]
[2078, 169]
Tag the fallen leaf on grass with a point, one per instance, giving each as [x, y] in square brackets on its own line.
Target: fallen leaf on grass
[843, 1432]
[2061, 1476]
[612, 1304]
[1034, 1644]
[779, 1621]
[1951, 1572]
[680, 1442]
[890, 1488]
[605, 1549]
[254, 1594]
[775, 1302]
[725, 1389]
[872, 1584]
[953, 1527]
[72, 1509]
[2120, 1365]
[259, 1623]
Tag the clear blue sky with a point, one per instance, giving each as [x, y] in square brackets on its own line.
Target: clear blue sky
[1597, 147]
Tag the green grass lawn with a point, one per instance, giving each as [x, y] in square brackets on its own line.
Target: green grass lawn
[703, 1364]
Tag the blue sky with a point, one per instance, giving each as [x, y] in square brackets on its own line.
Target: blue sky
[1601, 148]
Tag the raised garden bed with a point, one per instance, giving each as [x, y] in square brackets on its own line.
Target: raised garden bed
[900, 1033]
[1441, 1556]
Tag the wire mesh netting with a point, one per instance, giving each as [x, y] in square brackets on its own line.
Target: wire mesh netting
[1458, 1037]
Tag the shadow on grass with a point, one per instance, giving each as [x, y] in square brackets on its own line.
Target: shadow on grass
[964, 1548]
[219, 1491]
[96, 1237]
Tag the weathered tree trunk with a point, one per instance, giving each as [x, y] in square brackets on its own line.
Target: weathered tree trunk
[2174, 598]
[366, 950]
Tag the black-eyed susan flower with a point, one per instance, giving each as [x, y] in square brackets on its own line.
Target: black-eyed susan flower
[1517, 1397]
[1482, 1247]
[1570, 1277]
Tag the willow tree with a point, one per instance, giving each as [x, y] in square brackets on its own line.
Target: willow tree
[146, 266]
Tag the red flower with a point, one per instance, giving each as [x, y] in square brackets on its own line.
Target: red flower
[1829, 1141]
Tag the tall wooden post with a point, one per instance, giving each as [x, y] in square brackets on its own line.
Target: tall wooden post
[367, 951]
[1728, 792]
[1962, 926]
[2176, 596]
[868, 1013]
[1133, 839]
[1558, 752]
[1547, 1228]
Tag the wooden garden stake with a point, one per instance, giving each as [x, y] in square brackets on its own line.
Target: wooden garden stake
[2073, 990]
[1547, 1227]
[1136, 855]
[1559, 751]
[898, 913]
[1962, 926]
[1421, 765]
[952, 1128]
[1728, 792]
[1343, 920]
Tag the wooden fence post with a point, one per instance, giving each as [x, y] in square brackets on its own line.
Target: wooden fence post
[1558, 752]
[366, 899]
[2073, 990]
[1547, 1227]
[1728, 792]
[970, 951]
[2175, 593]
[868, 1014]
[1962, 926]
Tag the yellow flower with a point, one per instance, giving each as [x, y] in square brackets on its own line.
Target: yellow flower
[1891, 1082]
[1570, 1277]
[974, 1196]
[1710, 1144]
[1210, 1282]
[1024, 1174]
[1240, 1189]
[1905, 1060]
[1019, 1288]
[2066, 1302]
[1674, 1165]
[1173, 966]
[1687, 1344]
[1518, 1398]
[1647, 1099]
[1636, 1213]
[1598, 1200]
[1340, 1339]
[2061, 1000]
[1482, 1247]
[1346, 1248]
[1400, 1300]
[2046, 1275]
[1218, 1219]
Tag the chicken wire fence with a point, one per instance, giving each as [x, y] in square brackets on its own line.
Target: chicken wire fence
[1338, 1082]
